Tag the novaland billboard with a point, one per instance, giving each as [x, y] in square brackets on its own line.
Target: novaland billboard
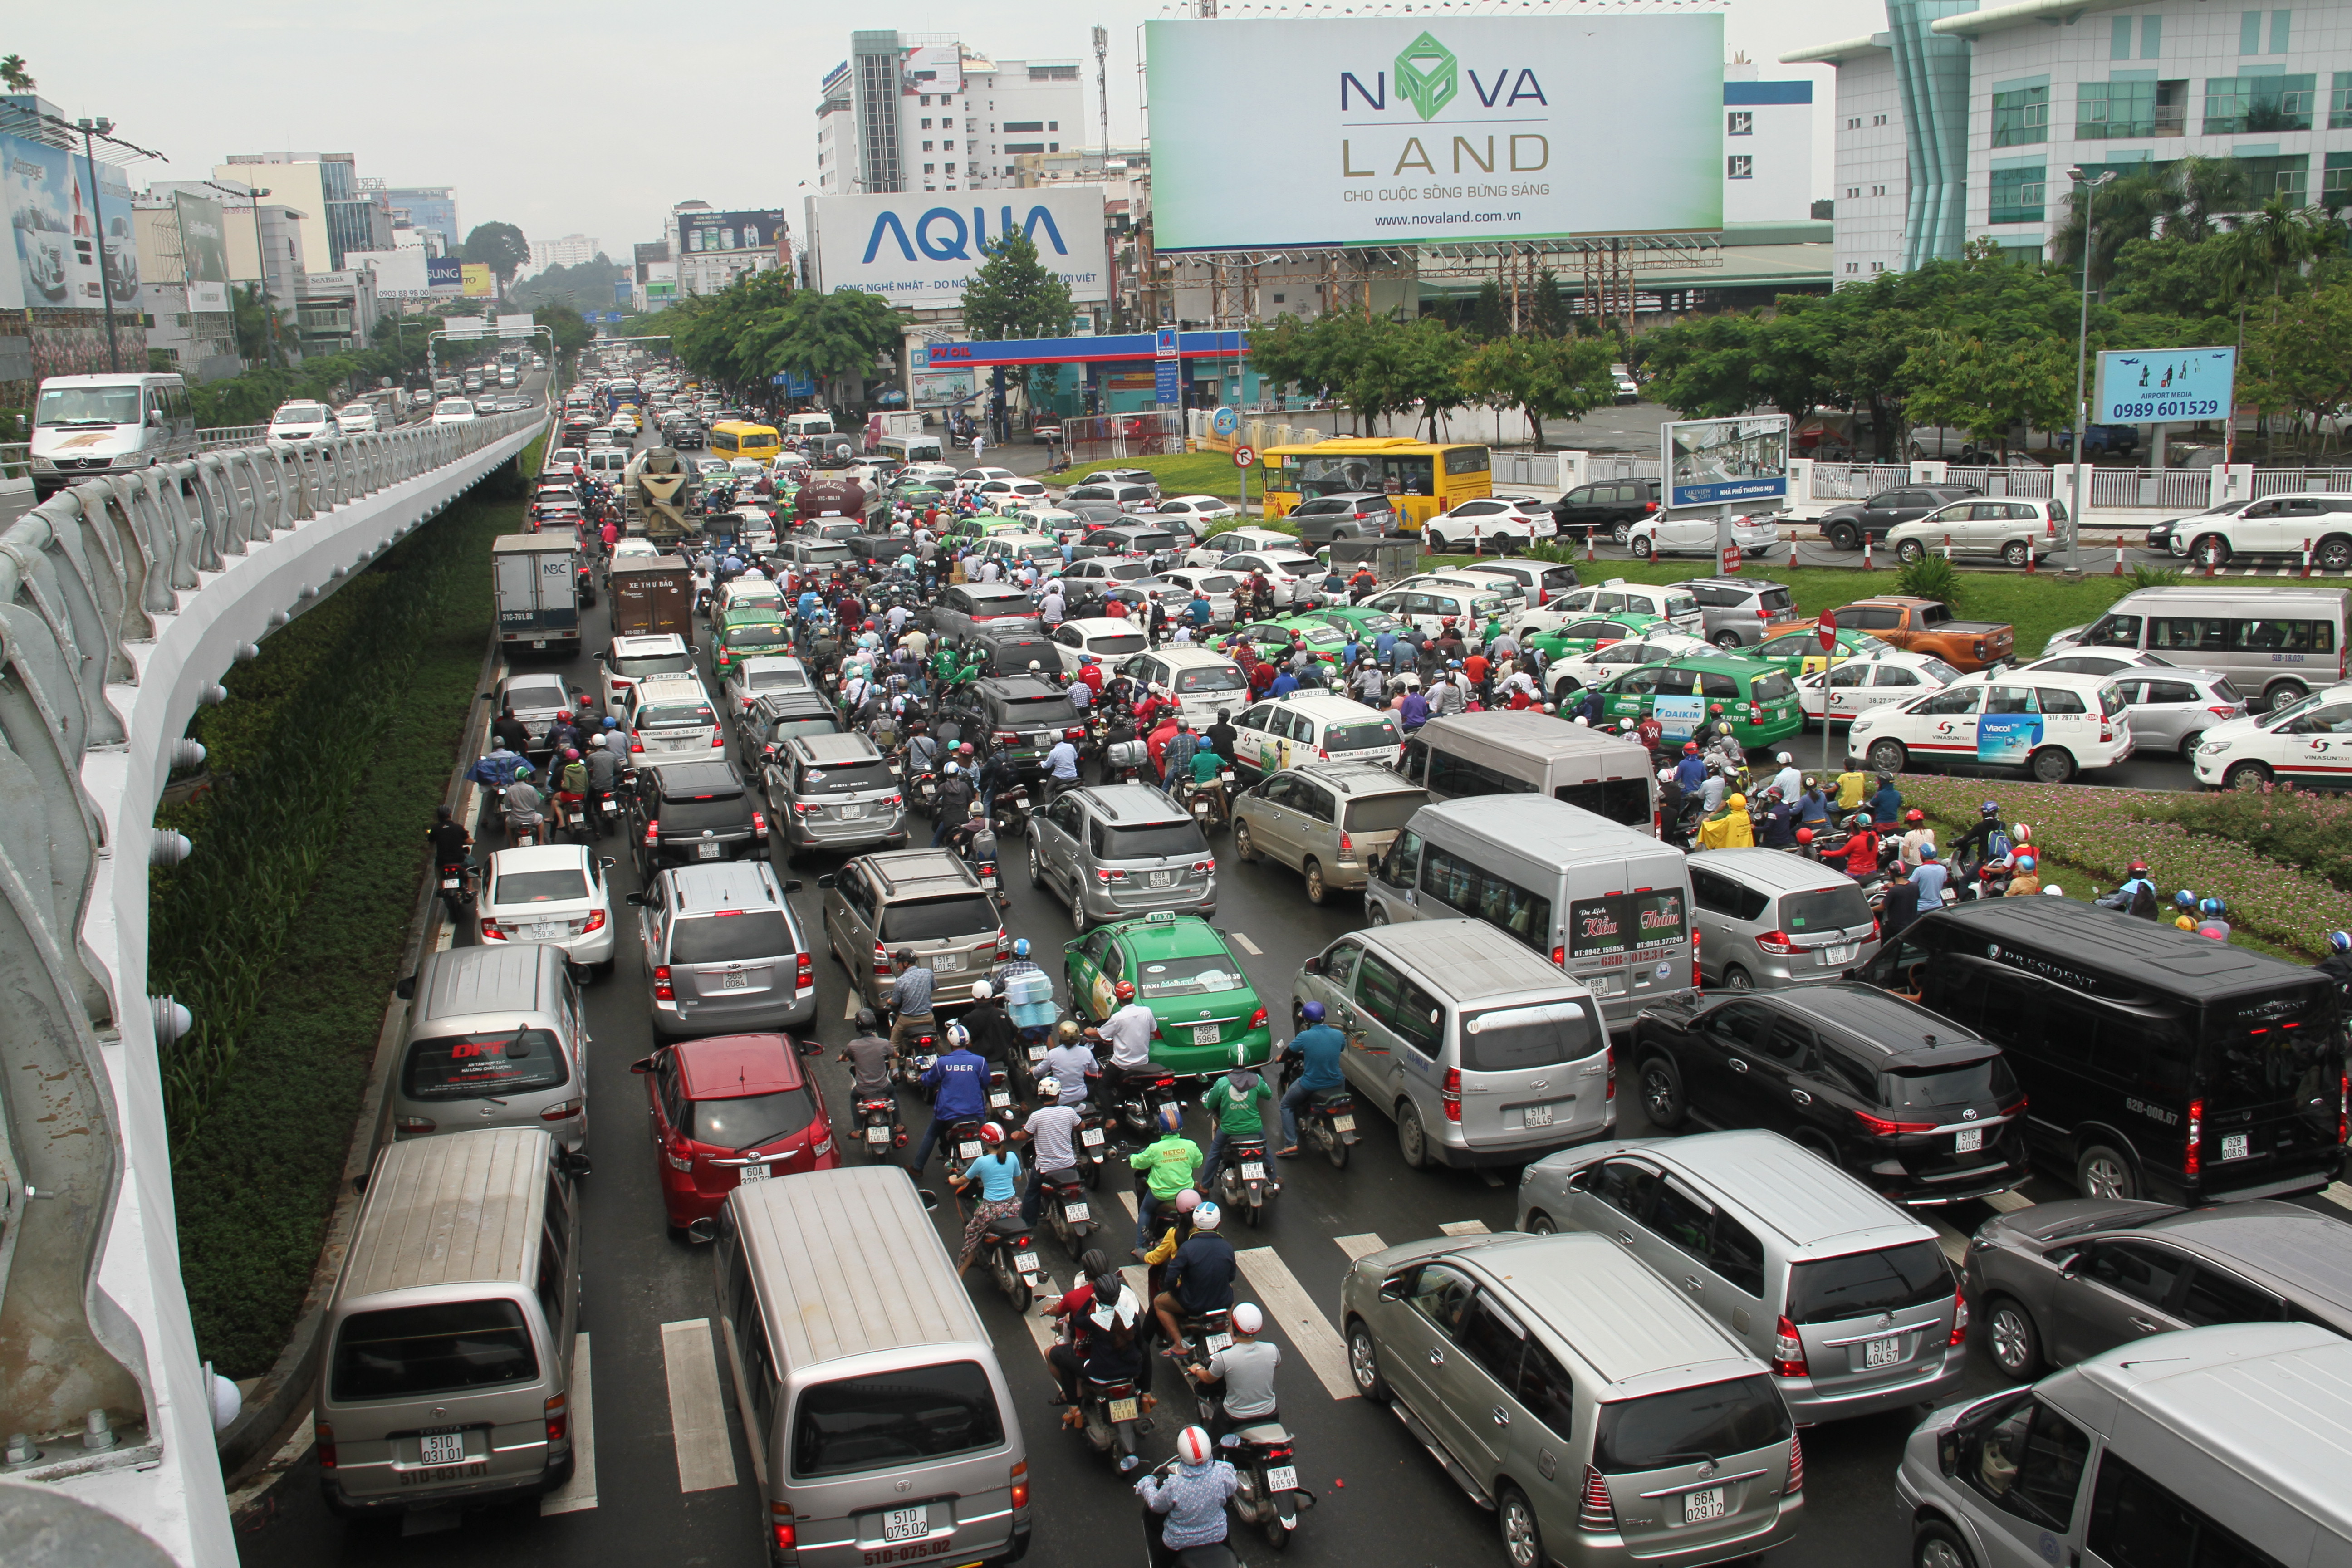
[1416, 131]
[920, 250]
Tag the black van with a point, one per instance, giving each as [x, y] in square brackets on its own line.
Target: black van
[2156, 1063]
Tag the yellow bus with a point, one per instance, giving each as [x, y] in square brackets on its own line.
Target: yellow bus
[1421, 479]
[731, 439]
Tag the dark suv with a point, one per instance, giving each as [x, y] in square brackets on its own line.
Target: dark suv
[1012, 653]
[1607, 507]
[1350, 514]
[1019, 716]
[684, 814]
[1845, 526]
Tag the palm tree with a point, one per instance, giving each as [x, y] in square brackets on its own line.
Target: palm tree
[2185, 198]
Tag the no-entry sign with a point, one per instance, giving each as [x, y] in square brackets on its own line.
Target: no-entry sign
[1827, 631]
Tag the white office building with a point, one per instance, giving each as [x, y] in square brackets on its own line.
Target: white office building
[1768, 142]
[569, 251]
[1959, 122]
[926, 112]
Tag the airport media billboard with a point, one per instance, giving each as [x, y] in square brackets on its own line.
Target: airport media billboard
[2156, 386]
[1712, 461]
[1421, 130]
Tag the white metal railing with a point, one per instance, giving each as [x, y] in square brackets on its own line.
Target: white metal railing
[1852, 481]
[1999, 481]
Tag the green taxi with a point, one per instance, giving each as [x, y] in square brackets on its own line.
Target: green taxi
[1757, 700]
[755, 629]
[1799, 652]
[1209, 1016]
[1573, 639]
[1368, 625]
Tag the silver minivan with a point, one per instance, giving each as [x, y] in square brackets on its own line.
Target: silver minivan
[448, 1374]
[2277, 645]
[2223, 1446]
[1112, 851]
[1846, 1297]
[1608, 904]
[1768, 917]
[723, 951]
[495, 1037]
[1527, 753]
[835, 791]
[880, 1426]
[1603, 1418]
[1328, 820]
[1482, 1052]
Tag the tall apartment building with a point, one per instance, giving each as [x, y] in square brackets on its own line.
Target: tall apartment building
[339, 217]
[1958, 123]
[926, 112]
[569, 251]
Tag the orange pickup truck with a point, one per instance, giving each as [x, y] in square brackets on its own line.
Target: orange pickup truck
[1926, 626]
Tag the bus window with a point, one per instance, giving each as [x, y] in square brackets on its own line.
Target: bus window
[1406, 476]
[1465, 460]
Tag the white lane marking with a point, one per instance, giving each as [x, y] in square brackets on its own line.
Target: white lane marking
[1247, 946]
[2010, 1202]
[1362, 1245]
[580, 1491]
[1041, 1329]
[1127, 1196]
[849, 1007]
[1955, 1244]
[1466, 1227]
[2338, 1194]
[698, 1419]
[1289, 1306]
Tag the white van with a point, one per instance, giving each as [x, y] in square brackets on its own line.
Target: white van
[85, 425]
[808, 425]
[912, 448]
[2277, 645]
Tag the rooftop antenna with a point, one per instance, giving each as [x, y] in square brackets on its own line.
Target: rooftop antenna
[1102, 83]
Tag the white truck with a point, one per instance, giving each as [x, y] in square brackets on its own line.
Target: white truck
[535, 578]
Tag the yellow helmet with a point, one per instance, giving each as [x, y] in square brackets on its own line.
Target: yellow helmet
[1738, 800]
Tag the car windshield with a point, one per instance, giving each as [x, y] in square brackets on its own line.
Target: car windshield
[842, 778]
[446, 1347]
[302, 414]
[1187, 976]
[1025, 712]
[560, 885]
[730, 936]
[1506, 1039]
[693, 813]
[66, 405]
[637, 667]
[674, 715]
[1820, 910]
[1101, 643]
[936, 920]
[1215, 678]
[1385, 813]
[1832, 1289]
[1158, 840]
[1712, 1421]
[1359, 734]
[911, 1414]
[1987, 1082]
[1937, 669]
[491, 1062]
[758, 634]
[524, 695]
[749, 1120]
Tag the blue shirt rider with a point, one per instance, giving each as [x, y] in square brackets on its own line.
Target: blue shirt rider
[1319, 1048]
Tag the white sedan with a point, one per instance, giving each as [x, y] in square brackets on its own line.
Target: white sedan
[1196, 512]
[554, 893]
[453, 411]
[752, 678]
[1097, 640]
[1573, 673]
[1873, 680]
[1699, 534]
[358, 419]
[1488, 522]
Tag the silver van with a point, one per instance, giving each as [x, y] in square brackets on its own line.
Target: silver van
[1846, 1297]
[1483, 1053]
[723, 951]
[1528, 752]
[835, 791]
[1602, 1418]
[1609, 905]
[495, 1037]
[880, 1426]
[1768, 917]
[2225, 1446]
[2276, 645]
[448, 1374]
[87, 425]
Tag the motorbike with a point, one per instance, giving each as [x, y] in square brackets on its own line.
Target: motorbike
[456, 882]
[1002, 1109]
[1126, 760]
[1010, 816]
[1265, 1461]
[1243, 1186]
[878, 1121]
[1092, 1146]
[1011, 1256]
[1140, 1097]
[1114, 1420]
[961, 1144]
[1068, 1213]
[1205, 1334]
[1155, 1551]
[1329, 1125]
[916, 1060]
[1199, 799]
[980, 850]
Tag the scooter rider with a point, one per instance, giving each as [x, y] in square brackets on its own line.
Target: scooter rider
[522, 805]
[868, 1057]
[1070, 1064]
[604, 768]
[1318, 1047]
[959, 1086]
[1198, 1279]
[2337, 964]
[1128, 1030]
[1246, 1368]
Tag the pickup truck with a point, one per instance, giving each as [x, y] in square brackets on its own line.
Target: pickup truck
[1926, 626]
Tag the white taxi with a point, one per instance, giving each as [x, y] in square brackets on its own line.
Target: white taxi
[2052, 725]
[1700, 534]
[554, 893]
[1435, 605]
[1278, 733]
[669, 718]
[1564, 676]
[1095, 640]
[1677, 606]
[2307, 742]
[1874, 679]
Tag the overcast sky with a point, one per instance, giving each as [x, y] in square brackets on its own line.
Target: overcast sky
[593, 116]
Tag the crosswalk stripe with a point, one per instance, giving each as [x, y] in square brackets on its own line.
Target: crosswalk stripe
[1289, 1306]
[1466, 1227]
[1362, 1245]
[698, 1417]
[1041, 1329]
[580, 1491]
[2009, 1203]
[849, 1007]
[1955, 1244]
[2338, 1194]
[1246, 945]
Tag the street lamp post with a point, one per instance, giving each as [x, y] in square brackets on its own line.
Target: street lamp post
[2089, 186]
[91, 131]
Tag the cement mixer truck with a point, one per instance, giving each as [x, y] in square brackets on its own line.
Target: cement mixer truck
[654, 489]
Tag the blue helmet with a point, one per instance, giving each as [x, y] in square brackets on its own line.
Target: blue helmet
[2339, 941]
[1312, 1012]
[1020, 948]
[2184, 900]
[1989, 808]
[2212, 907]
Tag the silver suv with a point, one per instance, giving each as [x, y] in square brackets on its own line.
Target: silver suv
[1766, 917]
[723, 951]
[1327, 819]
[837, 792]
[926, 901]
[1117, 850]
[1741, 614]
[1350, 514]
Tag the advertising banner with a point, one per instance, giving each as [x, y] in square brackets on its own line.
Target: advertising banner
[1618, 923]
[2152, 386]
[1709, 460]
[54, 217]
[700, 233]
[1418, 131]
[920, 251]
[480, 284]
[204, 247]
[401, 274]
[1680, 717]
[445, 274]
[2007, 737]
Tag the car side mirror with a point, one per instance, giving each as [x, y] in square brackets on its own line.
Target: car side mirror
[1392, 1287]
[824, 881]
[634, 900]
[1312, 966]
[406, 989]
[359, 1183]
[793, 886]
[487, 696]
[574, 1166]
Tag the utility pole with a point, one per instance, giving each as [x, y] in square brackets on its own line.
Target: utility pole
[2088, 185]
[1102, 86]
[90, 129]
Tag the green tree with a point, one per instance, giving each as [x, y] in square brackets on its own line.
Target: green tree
[584, 285]
[1548, 378]
[2300, 362]
[1988, 389]
[571, 333]
[1547, 312]
[1489, 319]
[499, 246]
[14, 76]
[1014, 295]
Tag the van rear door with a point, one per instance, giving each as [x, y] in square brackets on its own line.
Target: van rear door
[1533, 1074]
[2274, 1098]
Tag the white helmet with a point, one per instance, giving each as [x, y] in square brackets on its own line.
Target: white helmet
[1784, 758]
[597, 739]
[958, 1037]
[1193, 1445]
[982, 991]
[1246, 1318]
[1049, 1088]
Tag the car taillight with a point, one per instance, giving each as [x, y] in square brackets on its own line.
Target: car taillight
[1008, 737]
[663, 990]
[1598, 1513]
[1003, 946]
[490, 932]
[1796, 1463]
[1078, 734]
[652, 832]
[563, 1112]
[2196, 1160]
[1204, 866]
[1959, 1319]
[1696, 983]
[1777, 943]
[1879, 1127]
[760, 823]
[679, 1154]
[1452, 1094]
[635, 744]
[595, 922]
[1649, 506]
[1021, 1484]
[881, 960]
[559, 1418]
[1788, 1351]
[1559, 957]
[718, 739]
[415, 1126]
[323, 1436]
[1611, 1091]
[780, 1516]
[803, 973]
[1101, 876]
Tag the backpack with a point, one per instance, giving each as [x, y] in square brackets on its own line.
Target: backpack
[2143, 901]
[1997, 845]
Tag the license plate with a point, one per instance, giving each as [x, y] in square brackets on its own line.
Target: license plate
[539, 642]
[1969, 1140]
[1282, 1478]
[1206, 1034]
[1122, 1409]
[706, 852]
[947, 963]
[2236, 1146]
[1036, 1052]
[849, 813]
[1163, 878]
[1220, 1342]
[969, 1149]
[1699, 1508]
[1343, 1124]
[1025, 1262]
[906, 1523]
[1253, 1172]
[734, 980]
[1829, 957]
[441, 1448]
[877, 1136]
[754, 1173]
[1091, 1137]
[1881, 1352]
[1606, 985]
[998, 1099]
[1074, 1212]
[989, 882]
[448, 881]
[1538, 1116]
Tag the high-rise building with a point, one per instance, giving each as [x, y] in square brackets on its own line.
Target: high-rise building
[569, 251]
[919, 111]
[338, 216]
[430, 208]
[712, 249]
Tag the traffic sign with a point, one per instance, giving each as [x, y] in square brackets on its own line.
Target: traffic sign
[1730, 559]
[1827, 631]
[1244, 457]
[1224, 422]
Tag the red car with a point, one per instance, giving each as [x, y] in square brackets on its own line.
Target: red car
[732, 1108]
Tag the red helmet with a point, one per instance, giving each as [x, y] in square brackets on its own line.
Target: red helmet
[1690, 748]
[964, 750]
[1804, 836]
[1915, 815]
[990, 1134]
[1123, 991]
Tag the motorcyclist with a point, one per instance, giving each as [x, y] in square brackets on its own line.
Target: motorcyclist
[2023, 879]
[1861, 848]
[449, 839]
[958, 1082]
[512, 733]
[2128, 892]
[990, 1027]
[1788, 781]
[2210, 921]
[1167, 1167]
[571, 786]
[522, 807]
[1194, 1498]
[1129, 1031]
[868, 1057]
[1977, 846]
[1246, 1368]
[955, 800]
[1918, 837]
[1070, 1062]
[1728, 829]
[1237, 1104]
[1315, 1050]
[1199, 1278]
[2337, 964]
